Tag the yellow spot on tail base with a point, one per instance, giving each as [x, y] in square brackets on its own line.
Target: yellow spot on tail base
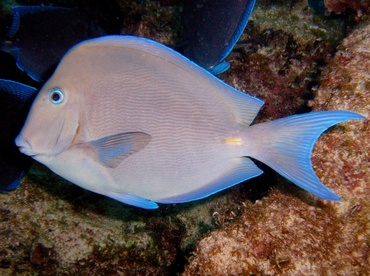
[235, 141]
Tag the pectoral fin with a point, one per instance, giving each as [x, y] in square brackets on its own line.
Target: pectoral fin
[112, 150]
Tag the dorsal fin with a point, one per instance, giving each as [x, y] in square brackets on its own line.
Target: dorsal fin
[243, 106]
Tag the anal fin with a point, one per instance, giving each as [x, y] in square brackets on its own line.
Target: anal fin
[133, 200]
[242, 169]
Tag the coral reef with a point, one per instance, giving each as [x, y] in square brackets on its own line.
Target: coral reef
[286, 234]
[284, 52]
[359, 6]
[51, 227]
[153, 20]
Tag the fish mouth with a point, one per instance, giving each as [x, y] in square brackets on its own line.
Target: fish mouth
[27, 151]
[24, 147]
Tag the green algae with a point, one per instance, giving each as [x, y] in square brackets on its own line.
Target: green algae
[296, 18]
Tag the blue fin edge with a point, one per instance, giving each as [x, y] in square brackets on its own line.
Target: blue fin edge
[239, 30]
[133, 200]
[20, 90]
[14, 27]
[220, 68]
[14, 185]
[288, 143]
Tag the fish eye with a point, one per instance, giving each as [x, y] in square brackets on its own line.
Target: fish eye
[56, 96]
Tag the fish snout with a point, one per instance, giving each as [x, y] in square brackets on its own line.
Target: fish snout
[24, 146]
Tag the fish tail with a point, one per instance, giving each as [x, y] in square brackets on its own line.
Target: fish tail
[286, 145]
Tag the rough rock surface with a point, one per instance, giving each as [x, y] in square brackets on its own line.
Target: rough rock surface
[359, 6]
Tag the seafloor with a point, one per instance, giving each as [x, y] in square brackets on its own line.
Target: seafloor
[293, 59]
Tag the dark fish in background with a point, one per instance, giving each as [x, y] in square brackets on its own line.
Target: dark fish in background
[317, 5]
[211, 29]
[39, 36]
[15, 101]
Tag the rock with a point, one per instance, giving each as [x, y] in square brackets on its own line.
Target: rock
[359, 6]
[346, 85]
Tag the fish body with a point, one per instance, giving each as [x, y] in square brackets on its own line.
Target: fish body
[131, 119]
[15, 101]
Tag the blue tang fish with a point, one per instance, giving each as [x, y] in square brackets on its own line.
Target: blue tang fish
[212, 28]
[133, 120]
[15, 102]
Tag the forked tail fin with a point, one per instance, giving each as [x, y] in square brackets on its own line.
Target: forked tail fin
[286, 145]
